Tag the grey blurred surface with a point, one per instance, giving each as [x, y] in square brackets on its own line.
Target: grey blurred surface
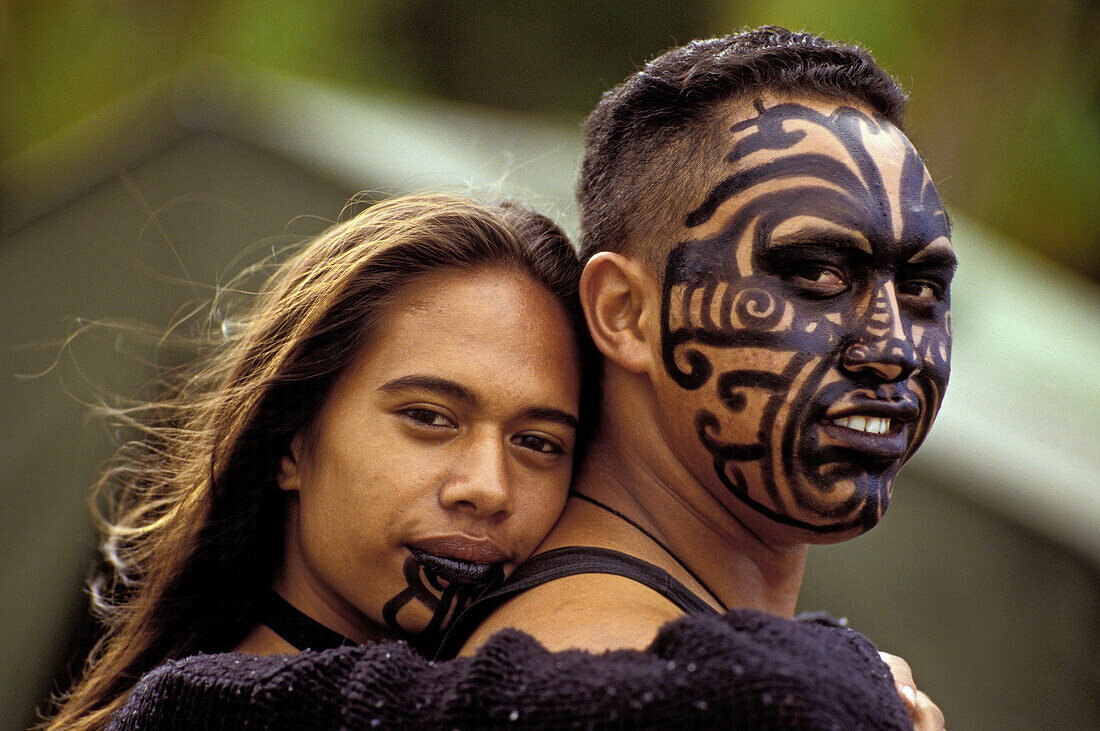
[984, 574]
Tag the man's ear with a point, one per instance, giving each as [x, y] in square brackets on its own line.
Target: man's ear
[620, 305]
[289, 477]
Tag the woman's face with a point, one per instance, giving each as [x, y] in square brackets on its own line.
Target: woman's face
[438, 462]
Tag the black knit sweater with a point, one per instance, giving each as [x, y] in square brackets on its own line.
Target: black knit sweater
[743, 670]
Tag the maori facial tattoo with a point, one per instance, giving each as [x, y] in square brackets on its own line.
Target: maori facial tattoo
[445, 587]
[806, 315]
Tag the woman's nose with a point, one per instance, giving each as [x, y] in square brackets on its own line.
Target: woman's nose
[481, 484]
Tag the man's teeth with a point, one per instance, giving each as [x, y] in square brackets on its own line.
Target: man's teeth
[869, 424]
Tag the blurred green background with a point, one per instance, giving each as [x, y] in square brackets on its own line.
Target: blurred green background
[144, 144]
[1005, 93]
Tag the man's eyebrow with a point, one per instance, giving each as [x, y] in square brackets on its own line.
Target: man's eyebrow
[937, 254]
[829, 236]
[430, 383]
[556, 416]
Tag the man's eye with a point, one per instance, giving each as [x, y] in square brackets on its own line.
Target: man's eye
[920, 289]
[537, 444]
[820, 277]
[427, 417]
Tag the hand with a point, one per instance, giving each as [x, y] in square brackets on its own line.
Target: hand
[925, 714]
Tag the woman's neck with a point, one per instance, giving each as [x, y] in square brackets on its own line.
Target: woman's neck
[262, 640]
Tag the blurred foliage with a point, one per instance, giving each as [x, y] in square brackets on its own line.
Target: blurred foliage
[1005, 95]
[62, 59]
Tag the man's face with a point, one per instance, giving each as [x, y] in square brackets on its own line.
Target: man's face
[805, 318]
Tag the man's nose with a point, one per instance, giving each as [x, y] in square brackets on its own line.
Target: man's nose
[480, 485]
[883, 350]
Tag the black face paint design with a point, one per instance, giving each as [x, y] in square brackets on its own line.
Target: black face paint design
[821, 296]
[446, 586]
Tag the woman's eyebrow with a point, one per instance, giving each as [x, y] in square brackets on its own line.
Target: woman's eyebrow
[554, 415]
[436, 384]
[455, 390]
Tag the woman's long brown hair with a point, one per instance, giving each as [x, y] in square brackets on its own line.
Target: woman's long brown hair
[193, 528]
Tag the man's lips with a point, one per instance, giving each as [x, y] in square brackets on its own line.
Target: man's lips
[873, 427]
[890, 444]
[902, 411]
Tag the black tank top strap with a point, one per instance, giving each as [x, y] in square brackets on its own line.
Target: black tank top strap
[296, 627]
[569, 561]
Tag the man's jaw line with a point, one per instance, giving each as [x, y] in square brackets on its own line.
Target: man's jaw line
[614, 477]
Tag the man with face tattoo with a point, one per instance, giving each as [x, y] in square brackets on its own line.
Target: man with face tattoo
[768, 267]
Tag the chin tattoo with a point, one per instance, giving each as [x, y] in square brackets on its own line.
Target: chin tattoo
[808, 393]
[445, 587]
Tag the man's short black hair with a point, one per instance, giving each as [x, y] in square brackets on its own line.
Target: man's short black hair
[640, 139]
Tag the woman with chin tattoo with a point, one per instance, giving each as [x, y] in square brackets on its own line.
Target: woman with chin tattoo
[388, 434]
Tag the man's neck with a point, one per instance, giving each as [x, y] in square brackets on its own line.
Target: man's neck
[693, 536]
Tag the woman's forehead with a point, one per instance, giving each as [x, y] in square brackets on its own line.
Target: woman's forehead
[491, 331]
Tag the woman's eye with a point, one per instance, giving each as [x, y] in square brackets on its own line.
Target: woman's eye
[537, 444]
[427, 417]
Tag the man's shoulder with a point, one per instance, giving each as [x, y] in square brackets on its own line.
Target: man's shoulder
[589, 611]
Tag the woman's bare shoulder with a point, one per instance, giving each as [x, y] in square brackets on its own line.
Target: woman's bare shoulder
[593, 612]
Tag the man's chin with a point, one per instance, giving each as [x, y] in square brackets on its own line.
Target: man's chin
[868, 500]
[822, 523]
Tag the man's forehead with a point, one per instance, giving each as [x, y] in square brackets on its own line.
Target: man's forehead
[773, 143]
[801, 121]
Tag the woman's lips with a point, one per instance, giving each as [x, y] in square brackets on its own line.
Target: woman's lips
[459, 559]
[463, 548]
